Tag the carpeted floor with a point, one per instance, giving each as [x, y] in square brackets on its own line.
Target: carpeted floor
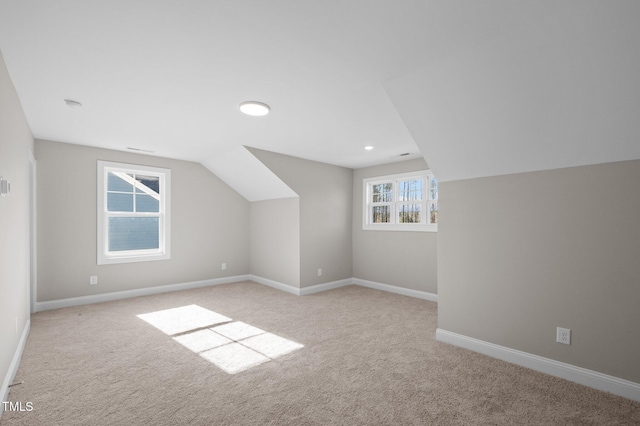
[369, 358]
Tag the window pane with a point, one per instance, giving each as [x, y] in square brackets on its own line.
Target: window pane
[149, 182]
[117, 202]
[381, 214]
[133, 233]
[433, 212]
[116, 183]
[146, 203]
[433, 188]
[410, 190]
[382, 192]
[409, 213]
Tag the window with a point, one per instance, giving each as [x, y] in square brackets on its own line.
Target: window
[133, 213]
[403, 202]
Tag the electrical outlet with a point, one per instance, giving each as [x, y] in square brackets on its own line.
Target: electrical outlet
[320, 272]
[563, 335]
[5, 187]
[224, 266]
[93, 279]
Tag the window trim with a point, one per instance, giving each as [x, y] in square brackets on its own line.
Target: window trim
[426, 175]
[104, 257]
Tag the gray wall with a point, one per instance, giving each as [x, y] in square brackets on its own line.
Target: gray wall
[275, 240]
[326, 198]
[208, 225]
[15, 142]
[522, 254]
[399, 258]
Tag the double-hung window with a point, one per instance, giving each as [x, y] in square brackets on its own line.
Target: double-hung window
[402, 202]
[133, 213]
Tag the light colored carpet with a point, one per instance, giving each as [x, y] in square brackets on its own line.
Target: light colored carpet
[369, 358]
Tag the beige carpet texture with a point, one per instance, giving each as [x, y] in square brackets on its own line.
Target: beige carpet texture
[246, 354]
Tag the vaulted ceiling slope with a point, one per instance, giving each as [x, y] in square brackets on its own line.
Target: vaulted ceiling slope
[477, 88]
[559, 92]
[242, 171]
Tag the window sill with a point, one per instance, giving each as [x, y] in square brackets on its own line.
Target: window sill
[132, 258]
[401, 228]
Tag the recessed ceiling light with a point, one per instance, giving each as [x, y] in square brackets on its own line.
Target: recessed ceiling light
[254, 108]
[72, 104]
[368, 147]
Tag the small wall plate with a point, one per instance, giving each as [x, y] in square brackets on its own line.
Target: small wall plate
[5, 187]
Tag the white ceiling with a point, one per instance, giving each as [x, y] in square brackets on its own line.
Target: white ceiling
[561, 91]
[256, 183]
[446, 79]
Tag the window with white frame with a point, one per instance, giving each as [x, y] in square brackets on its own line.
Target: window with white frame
[133, 213]
[401, 202]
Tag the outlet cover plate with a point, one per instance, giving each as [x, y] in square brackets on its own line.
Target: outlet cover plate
[563, 335]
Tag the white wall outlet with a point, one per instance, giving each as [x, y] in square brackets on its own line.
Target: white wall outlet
[93, 279]
[319, 272]
[224, 266]
[563, 335]
[5, 187]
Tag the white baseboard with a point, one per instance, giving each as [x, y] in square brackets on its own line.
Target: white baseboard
[569, 372]
[117, 295]
[398, 290]
[275, 284]
[300, 291]
[15, 363]
[342, 283]
[325, 286]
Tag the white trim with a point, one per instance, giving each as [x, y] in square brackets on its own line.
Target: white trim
[108, 297]
[398, 290]
[405, 227]
[33, 240]
[326, 286]
[104, 257]
[301, 291]
[117, 295]
[342, 283]
[15, 363]
[275, 284]
[552, 367]
[394, 179]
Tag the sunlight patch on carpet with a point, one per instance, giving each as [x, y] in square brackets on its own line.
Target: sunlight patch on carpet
[178, 320]
[271, 345]
[233, 347]
[237, 330]
[234, 357]
[201, 340]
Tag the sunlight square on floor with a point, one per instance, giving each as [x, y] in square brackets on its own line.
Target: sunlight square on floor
[232, 346]
[185, 318]
[234, 357]
[201, 340]
[271, 345]
[237, 330]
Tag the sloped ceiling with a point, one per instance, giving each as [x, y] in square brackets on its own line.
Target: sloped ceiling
[558, 92]
[477, 88]
[241, 170]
